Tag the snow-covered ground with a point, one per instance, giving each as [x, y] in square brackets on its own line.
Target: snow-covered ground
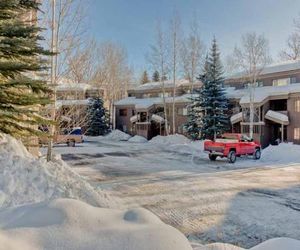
[34, 216]
[243, 204]
[70, 224]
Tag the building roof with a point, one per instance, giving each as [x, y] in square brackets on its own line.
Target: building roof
[60, 103]
[271, 69]
[158, 85]
[261, 95]
[144, 103]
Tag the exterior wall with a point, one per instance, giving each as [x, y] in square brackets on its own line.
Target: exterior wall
[294, 118]
[123, 122]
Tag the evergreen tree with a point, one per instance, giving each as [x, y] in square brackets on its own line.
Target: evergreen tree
[194, 117]
[155, 76]
[213, 101]
[97, 118]
[21, 92]
[145, 77]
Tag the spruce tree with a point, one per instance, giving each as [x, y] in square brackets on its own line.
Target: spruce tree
[155, 76]
[22, 93]
[145, 77]
[194, 117]
[213, 101]
[97, 118]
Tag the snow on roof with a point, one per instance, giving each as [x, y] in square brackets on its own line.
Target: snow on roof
[236, 118]
[168, 84]
[73, 86]
[60, 103]
[144, 103]
[261, 94]
[277, 117]
[272, 68]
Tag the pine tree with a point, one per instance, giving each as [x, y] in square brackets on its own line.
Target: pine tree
[97, 118]
[21, 57]
[155, 76]
[213, 101]
[145, 77]
[194, 117]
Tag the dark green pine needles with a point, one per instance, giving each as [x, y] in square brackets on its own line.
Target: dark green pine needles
[214, 102]
[97, 118]
[22, 93]
[208, 113]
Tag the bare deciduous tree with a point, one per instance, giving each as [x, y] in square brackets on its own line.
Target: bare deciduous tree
[252, 56]
[112, 72]
[82, 65]
[175, 47]
[158, 60]
[70, 30]
[192, 54]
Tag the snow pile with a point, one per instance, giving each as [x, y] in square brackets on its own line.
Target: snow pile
[24, 179]
[284, 153]
[138, 139]
[273, 244]
[170, 139]
[71, 224]
[117, 135]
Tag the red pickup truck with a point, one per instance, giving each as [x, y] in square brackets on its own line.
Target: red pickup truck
[232, 146]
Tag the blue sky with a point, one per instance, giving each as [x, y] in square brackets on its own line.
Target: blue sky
[131, 23]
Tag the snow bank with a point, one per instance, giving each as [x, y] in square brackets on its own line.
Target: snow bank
[170, 139]
[138, 139]
[282, 154]
[273, 244]
[24, 179]
[71, 224]
[117, 135]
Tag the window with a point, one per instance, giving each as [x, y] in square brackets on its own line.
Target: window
[282, 82]
[123, 112]
[182, 111]
[297, 105]
[293, 79]
[256, 85]
[297, 133]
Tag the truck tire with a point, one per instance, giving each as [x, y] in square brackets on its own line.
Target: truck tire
[232, 156]
[212, 157]
[71, 143]
[257, 154]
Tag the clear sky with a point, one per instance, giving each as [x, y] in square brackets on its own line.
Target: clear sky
[132, 22]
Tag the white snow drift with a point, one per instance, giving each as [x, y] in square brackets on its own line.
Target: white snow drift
[117, 135]
[24, 179]
[71, 224]
[138, 139]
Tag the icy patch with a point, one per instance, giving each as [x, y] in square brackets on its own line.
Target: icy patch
[71, 224]
[24, 179]
[170, 139]
[138, 139]
[117, 135]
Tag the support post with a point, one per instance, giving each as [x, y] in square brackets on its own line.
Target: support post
[282, 132]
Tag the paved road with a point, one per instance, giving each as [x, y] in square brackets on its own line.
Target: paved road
[206, 201]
